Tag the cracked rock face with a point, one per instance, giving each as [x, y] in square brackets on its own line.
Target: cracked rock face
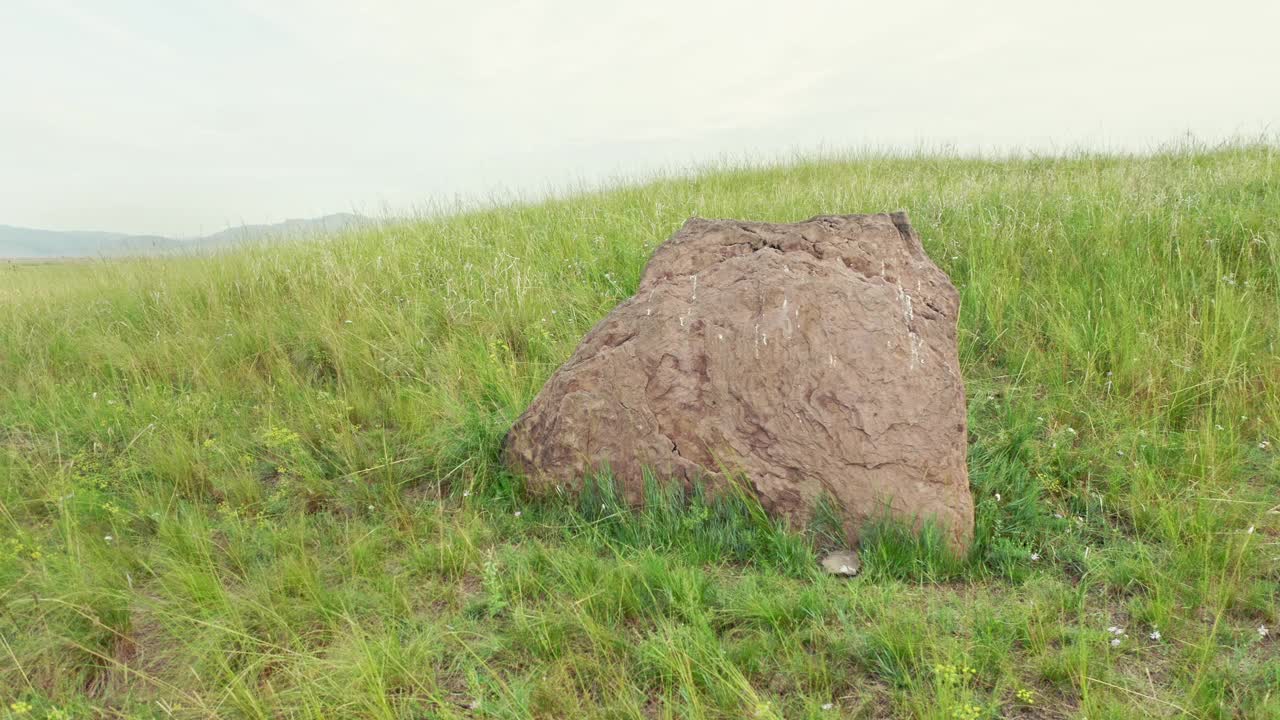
[816, 359]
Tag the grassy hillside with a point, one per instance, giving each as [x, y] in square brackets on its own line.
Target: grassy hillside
[265, 484]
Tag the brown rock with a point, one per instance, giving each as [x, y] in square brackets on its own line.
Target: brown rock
[816, 359]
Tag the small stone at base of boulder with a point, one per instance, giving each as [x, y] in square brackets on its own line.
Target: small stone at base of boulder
[844, 562]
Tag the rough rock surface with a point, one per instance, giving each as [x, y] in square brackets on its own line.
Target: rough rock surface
[816, 359]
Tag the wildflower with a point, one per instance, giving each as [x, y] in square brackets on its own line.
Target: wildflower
[370, 508]
[1035, 557]
[1026, 696]
[1264, 445]
[1071, 430]
[1249, 531]
[466, 493]
[518, 513]
[19, 708]
[1263, 631]
[1118, 632]
[1217, 427]
[828, 706]
[1155, 634]
[997, 497]
[108, 538]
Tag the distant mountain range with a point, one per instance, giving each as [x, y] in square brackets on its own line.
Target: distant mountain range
[28, 243]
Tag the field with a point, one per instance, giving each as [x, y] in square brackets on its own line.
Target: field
[265, 483]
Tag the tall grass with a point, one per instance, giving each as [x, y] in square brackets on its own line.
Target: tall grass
[266, 483]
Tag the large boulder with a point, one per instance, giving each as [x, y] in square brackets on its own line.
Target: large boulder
[813, 359]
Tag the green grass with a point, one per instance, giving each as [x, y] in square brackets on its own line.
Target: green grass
[266, 484]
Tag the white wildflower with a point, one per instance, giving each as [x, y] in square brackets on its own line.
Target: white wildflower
[828, 706]
[108, 538]
[1035, 557]
[1263, 631]
[518, 513]
[1155, 635]
[1115, 642]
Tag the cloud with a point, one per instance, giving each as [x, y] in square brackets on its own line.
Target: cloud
[165, 117]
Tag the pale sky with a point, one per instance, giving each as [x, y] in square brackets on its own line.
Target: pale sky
[182, 117]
